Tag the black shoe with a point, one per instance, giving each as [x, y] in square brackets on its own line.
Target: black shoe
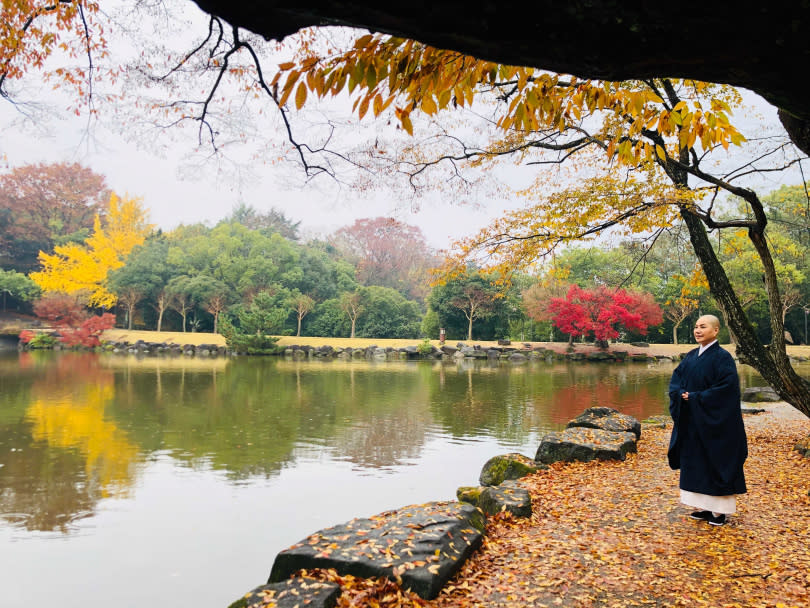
[701, 515]
[720, 520]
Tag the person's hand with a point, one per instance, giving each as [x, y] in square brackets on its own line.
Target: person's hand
[685, 396]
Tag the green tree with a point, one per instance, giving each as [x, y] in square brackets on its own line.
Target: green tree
[386, 313]
[328, 320]
[145, 274]
[471, 306]
[267, 223]
[266, 313]
[18, 287]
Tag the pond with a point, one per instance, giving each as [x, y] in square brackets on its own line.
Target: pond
[159, 481]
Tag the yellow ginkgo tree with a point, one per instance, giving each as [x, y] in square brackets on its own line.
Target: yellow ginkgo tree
[82, 269]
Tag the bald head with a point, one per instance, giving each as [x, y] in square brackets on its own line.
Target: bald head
[706, 329]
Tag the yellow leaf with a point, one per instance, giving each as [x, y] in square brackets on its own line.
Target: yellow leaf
[428, 105]
[406, 123]
[301, 96]
[363, 107]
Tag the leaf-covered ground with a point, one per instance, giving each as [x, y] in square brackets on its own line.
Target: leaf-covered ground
[614, 534]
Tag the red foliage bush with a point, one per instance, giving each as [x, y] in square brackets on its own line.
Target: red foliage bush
[87, 334]
[75, 325]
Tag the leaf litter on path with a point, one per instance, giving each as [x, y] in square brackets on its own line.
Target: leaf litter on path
[613, 534]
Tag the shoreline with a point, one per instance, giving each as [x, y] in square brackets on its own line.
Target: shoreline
[196, 339]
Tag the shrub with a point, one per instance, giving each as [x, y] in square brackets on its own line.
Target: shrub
[425, 347]
[37, 340]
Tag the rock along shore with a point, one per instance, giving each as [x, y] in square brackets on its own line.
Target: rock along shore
[503, 351]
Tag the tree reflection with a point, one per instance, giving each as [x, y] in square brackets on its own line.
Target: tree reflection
[65, 452]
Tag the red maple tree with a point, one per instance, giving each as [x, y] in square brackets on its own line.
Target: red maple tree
[602, 312]
[74, 325]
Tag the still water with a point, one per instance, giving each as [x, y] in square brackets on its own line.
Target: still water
[174, 482]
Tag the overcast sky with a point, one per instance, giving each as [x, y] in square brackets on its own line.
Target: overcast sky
[175, 195]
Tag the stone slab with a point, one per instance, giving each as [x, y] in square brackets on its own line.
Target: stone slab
[607, 419]
[506, 497]
[420, 546]
[585, 444]
[292, 593]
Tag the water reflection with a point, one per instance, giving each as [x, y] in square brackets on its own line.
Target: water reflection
[63, 454]
[77, 428]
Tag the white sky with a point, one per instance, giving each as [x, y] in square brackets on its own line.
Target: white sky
[175, 195]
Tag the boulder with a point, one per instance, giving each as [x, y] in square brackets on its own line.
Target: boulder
[291, 593]
[498, 469]
[659, 422]
[420, 546]
[469, 494]
[517, 357]
[607, 419]
[506, 497]
[803, 447]
[759, 394]
[585, 444]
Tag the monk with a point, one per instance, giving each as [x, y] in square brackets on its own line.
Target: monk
[708, 442]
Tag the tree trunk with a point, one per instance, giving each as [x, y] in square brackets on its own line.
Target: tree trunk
[675, 332]
[353, 320]
[469, 329]
[160, 318]
[770, 361]
[129, 318]
[298, 334]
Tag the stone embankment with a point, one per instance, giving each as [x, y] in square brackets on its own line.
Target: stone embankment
[504, 351]
[141, 347]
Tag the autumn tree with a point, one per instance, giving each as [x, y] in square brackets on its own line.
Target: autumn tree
[42, 206]
[83, 269]
[602, 313]
[474, 302]
[388, 253]
[677, 310]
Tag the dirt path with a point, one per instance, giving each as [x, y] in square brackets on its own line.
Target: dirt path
[614, 534]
